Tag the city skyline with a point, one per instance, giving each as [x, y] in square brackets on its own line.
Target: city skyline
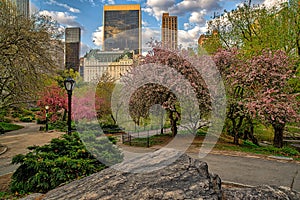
[88, 15]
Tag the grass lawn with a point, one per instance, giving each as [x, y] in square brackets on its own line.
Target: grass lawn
[9, 127]
[224, 143]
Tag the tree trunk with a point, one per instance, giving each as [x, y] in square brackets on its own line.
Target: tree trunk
[249, 134]
[235, 132]
[173, 124]
[278, 134]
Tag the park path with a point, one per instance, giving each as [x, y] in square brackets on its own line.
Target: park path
[18, 141]
[245, 169]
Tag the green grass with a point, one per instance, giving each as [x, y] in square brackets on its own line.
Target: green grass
[9, 127]
[263, 133]
[249, 147]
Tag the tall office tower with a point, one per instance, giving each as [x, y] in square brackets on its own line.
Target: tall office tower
[22, 7]
[169, 32]
[72, 48]
[122, 28]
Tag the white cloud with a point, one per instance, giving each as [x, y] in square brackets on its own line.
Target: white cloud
[98, 36]
[84, 48]
[271, 3]
[108, 2]
[189, 38]
[92, 2]
[198, 17]
[63, 18]
[66, 6]
[144, 23]
[157, 7]
[186, 26]
[149, 34]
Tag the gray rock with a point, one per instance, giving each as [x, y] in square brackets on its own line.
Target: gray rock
[164, 174]
[186, 178]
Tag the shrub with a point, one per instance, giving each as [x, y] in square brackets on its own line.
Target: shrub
[26, 119]
[6, 127]
[48, 166]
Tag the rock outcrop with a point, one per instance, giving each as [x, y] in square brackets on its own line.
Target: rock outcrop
[186, 178]
[159, 175]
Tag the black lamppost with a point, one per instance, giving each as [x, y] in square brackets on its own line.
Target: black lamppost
[69, 85]
[47, 109]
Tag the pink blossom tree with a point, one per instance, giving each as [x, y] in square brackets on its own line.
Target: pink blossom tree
[174, 68]
[56, 98]
[85, 104]
[267, 95]
[239, 121]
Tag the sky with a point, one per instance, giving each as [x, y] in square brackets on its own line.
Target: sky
[87, 14]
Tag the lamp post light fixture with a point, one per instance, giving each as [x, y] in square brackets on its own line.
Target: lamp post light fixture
[69, 86]
[47, 109]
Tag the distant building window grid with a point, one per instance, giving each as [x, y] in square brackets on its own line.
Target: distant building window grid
[122, 26]
[72, 48]
[169, 31]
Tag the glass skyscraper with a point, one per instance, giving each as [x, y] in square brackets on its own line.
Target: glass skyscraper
[122, 27]
[72, 48]
[22, 7]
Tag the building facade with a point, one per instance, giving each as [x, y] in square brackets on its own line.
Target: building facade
[23, 7]
[169, 32]
[97, 63]
[72, 48]
[122, 28]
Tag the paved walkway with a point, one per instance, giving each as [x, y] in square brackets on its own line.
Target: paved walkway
[18, 141]
[245, 169]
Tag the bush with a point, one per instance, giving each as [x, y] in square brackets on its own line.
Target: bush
[6, 127]
[111, 128]
[59, 126]
[26, 119]
[46, 167]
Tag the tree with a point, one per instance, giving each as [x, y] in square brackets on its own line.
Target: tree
[166, 72]
[104, 89]
[256, 28]
[56, 98]
[84, 105]
[264, 79]
[26, 56]
[240, 122]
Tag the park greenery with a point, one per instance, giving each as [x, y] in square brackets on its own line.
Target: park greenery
[62, 160]
[27, 58]
[256, 50]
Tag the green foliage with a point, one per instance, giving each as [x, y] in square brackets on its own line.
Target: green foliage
[26, 119]
[58, 125]
[45, 167]
[202, 131]
[111, 128]
[101, 147]
[25, 62]
[113, 139]
[248, 143]
[248, 146]
[9, 127]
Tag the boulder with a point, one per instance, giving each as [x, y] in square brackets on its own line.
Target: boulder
[186, 178]
[163, 174]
